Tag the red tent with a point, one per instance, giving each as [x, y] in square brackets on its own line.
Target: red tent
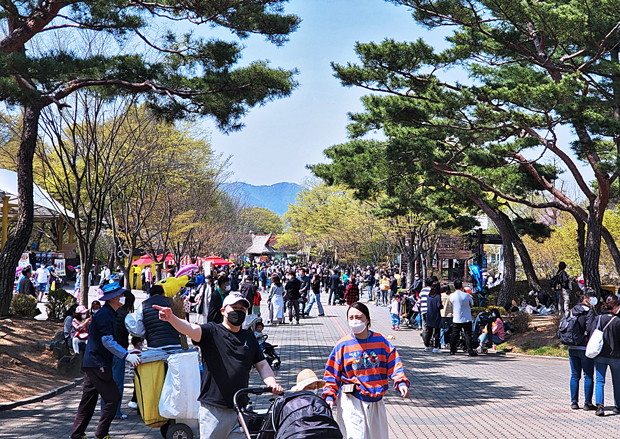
[216, 260]
[146, 260]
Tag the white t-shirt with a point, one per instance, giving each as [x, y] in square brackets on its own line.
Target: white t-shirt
[395, 308]
[461, 306]
[42, 275]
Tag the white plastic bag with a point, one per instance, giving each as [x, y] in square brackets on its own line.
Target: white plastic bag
[595, 344]
[179, 397]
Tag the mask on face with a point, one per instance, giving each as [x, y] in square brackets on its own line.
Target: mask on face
[227, 287]
[236, 317]
[95, 311]
[593, 301]
[357, 326]
[122, 300]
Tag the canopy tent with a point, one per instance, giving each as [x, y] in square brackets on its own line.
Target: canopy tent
[216, 260]
[261, 245]
[146, 260]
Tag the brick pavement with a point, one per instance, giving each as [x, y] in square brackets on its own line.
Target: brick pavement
[451, 396]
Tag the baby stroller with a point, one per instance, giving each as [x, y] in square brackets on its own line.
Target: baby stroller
[339, 295]
[269, 350]
[483, 319]
[298, 415]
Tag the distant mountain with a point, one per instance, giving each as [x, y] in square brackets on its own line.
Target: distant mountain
[276, 197]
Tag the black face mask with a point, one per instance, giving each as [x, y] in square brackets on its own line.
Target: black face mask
[236, 318]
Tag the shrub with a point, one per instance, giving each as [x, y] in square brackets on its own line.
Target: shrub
[58, 302]
[475, 310]
[23, 305]
[520, 321]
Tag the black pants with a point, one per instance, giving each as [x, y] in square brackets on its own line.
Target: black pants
[96, 382]
[293, 307]
[456, 332]
[429, 335]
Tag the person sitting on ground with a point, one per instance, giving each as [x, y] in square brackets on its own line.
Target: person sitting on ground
[499, 335]
[25, 284]
[68, 324]
[79, 328]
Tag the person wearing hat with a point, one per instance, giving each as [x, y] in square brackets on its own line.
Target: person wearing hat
[307, 380]
[228, 355]
[97, 366]
[148, 325]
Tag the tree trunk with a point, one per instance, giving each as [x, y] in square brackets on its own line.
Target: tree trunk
[613, 248]
[410, 270]
[592, 251]
[18, 241]
[526, 261]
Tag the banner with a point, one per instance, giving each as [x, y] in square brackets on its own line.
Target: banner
[59, 267]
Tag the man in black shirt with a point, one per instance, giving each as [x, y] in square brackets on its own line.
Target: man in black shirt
[292, 296]
[25, 285]
[228, 354]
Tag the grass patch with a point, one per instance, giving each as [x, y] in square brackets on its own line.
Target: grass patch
[552, 350]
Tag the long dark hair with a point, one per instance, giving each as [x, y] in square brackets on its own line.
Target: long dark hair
[361, 308]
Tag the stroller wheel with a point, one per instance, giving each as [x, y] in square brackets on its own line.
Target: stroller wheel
[179, 431]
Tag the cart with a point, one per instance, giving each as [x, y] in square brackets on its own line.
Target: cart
[149, 380]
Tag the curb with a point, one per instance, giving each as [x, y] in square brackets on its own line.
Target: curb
[41, 397]
[545, 357]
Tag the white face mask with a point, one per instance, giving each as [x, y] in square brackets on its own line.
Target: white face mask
[357, 326]
[227, 287]
[122, 300]
[593, 301]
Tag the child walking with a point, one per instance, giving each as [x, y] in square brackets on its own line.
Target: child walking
[395, 312]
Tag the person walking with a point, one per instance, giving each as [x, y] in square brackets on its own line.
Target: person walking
[334, 282]
[395, 312]
[423, 303]
[561, 283]
[352, 293]
[275, 302]
[461, 320]
[356, 375]
[446, 314]
[97, 366]
[433, 319]
[315, 295]
[42, 276]
[579, 363]
[229, 353]
[609, 355]
[248, 288]
[292, 296]
[384, 287]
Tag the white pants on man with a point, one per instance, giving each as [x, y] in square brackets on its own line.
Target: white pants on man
[359, 419]
[219, 423]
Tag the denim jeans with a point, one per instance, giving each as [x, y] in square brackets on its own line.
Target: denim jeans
[314, 297]
[331, 299]
[600, 364]
[579, 362]
[384, 297]
[395, 320]
[370, 292]
[483, 337]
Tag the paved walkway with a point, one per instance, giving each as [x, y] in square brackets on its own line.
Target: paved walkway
[451, 397]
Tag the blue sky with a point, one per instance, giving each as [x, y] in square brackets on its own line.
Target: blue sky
[280, 138]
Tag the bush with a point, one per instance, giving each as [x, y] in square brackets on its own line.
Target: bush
[475, 310]
[23, 305]
[58, 302]
[520, 321]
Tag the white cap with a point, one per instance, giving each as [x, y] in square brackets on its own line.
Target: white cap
[233, 298]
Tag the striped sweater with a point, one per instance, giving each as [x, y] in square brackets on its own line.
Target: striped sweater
[365, 363]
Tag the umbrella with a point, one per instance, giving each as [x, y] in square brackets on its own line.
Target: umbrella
[216, 260]
[146, 260]
[186, 269]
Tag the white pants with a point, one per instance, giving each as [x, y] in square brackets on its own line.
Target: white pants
[218, 423]
[361, 420]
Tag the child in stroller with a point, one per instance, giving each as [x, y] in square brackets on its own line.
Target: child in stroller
[269, 351]
[296, 415]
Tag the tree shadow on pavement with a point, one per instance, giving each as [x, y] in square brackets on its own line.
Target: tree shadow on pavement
[433, 385]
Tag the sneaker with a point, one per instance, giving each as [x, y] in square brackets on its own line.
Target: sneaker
[436, 351]
[427, 349]
[393, 327]
[132, 405]
[397, 328]
[120, 417]
[599, 410]
[616, 410]
[574, 406]
[589, 407]
[297, 322]
[321, 315]
[473, 354]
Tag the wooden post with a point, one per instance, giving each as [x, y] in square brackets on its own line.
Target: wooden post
[5, 220]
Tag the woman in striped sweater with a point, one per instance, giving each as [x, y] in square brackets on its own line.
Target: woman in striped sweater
[356, 375]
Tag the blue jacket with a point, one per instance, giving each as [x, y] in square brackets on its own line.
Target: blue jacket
[102, 325]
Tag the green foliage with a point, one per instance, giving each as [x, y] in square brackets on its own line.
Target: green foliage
[23, 305]
[58, 302]
[475, 310]
[260, 221]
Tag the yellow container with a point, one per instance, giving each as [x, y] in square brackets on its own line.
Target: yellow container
[149, 381]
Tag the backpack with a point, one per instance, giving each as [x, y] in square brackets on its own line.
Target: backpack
[569, 331]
